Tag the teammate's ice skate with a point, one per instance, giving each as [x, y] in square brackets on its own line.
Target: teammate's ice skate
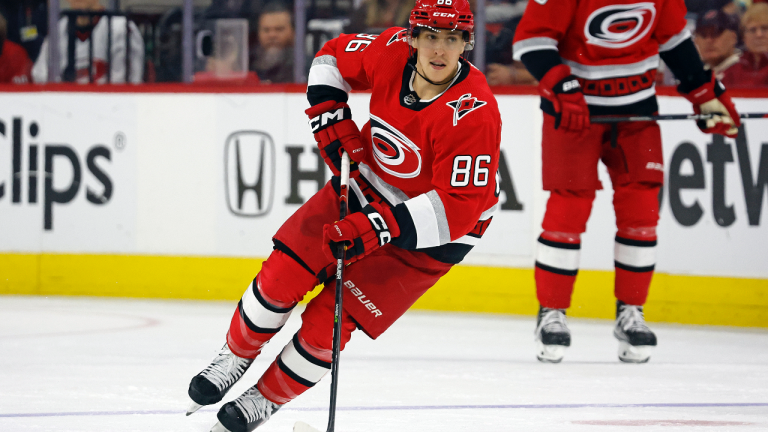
[245, 413]
[552, 335]
[636, 340]
[210, 385]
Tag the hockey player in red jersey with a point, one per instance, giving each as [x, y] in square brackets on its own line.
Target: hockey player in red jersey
[599, 57]
[423, 192]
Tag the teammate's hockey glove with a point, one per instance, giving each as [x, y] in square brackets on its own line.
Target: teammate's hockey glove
[334, 130]
[711, 98]
[362, 232]
[564, 91]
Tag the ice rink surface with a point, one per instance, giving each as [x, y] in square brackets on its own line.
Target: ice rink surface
[92, 364]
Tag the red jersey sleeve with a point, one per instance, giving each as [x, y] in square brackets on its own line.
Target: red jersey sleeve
[670, 30]
[343, 64]
[15, 66]
[542, 26]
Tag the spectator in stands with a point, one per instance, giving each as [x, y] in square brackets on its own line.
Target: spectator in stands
[74, 66]
[27, 22]
[752, 69]
[15, 65]
[716, 36]
[502, 17]
[374, 16]
[273, 57]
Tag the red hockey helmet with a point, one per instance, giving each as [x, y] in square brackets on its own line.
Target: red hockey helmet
[444, 14]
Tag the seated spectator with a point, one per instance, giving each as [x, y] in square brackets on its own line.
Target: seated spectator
[752, 69]
[715, 37]
[273, 57]
[15, 65]
[501, 20]
[374, 16]
[95, 29]
[27, 22]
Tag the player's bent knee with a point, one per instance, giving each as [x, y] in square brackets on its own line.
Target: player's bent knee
[637, 206]
[568, 210]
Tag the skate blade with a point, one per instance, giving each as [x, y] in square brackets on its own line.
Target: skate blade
[193, 407]
[634, 354]
[303, 427]
[218, 427]
[550, 353]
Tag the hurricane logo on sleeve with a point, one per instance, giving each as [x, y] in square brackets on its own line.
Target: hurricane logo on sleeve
[464, 105]
[619, 26]
[394, 152]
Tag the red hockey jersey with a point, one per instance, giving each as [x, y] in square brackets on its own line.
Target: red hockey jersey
[434, 161]
[611, 45]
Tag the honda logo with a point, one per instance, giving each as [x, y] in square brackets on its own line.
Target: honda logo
[249, 169]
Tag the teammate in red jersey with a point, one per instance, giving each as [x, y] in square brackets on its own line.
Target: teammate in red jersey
[423, 192]
[599, 57]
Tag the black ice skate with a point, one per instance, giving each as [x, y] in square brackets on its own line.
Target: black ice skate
[636, 340]
[245, 413]
[552, 335]
[210, 385]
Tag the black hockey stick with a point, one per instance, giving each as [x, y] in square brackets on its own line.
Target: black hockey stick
[343, 207]
[619, 119]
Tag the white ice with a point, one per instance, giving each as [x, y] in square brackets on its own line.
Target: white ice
[94, 364]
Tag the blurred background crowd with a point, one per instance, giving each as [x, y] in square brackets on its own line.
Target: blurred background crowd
[273, 41]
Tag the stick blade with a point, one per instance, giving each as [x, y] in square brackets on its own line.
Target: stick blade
[303, 427]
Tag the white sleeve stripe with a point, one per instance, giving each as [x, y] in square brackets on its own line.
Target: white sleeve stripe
[259, 315]
[675, 40]
[326, 74]
[532, 44]
[424, 220]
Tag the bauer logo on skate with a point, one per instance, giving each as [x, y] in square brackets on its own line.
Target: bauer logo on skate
[619, 26]
[357, 292]
[393, 151]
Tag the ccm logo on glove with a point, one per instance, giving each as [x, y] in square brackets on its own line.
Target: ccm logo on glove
[328, 118]
[362, 232]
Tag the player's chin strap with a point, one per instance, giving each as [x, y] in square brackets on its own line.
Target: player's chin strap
[447, 80]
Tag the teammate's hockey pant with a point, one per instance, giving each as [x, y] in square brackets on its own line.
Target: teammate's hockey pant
[570, 173]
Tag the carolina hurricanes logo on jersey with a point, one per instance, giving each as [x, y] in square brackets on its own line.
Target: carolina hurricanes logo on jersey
[399, 36]
[393, 151]
[619, 26]
[464, 105]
